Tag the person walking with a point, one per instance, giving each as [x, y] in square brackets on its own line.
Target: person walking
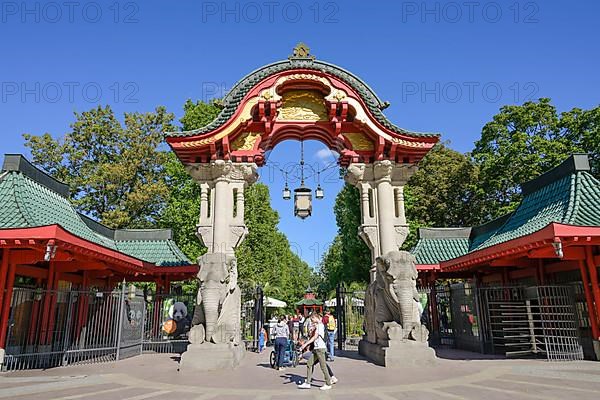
[306, 356]
[331, 326]
[282, 333]
[318, 353]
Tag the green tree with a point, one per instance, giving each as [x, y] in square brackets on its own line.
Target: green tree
[582, 129]
[519, 144]
[265, 256]
[115, 171]
[444, 192]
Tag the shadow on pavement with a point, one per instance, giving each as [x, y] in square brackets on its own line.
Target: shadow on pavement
[449, 353]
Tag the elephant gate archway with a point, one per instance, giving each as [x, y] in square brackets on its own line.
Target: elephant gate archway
[300, 98]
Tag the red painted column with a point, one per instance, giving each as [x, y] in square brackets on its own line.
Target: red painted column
[10, 281]
[47, 301]
[82, 304]
[588, 299]
[52, 315]
[3, 274]
[33, 320]
[541, 276]
[592, 269]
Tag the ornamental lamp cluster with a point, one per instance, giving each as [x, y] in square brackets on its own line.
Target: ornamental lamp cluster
[303, 194]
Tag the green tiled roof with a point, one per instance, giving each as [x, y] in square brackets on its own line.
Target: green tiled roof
[568, 194]
[29, 198]
[309, 302]
[441, 244]
[572, 199]
[25, 203]
[163, 253]
[241, 89]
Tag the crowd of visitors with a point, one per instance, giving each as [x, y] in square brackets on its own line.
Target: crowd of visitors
[313, 338]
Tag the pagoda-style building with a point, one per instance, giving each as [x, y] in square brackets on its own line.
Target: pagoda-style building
[309, 304]
[552, 238]
[46, 246]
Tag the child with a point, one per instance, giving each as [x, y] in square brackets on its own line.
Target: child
[262, 339]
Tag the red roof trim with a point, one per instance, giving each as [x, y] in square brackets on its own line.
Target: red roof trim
[519, 245]
[428, 267]
[56, 232]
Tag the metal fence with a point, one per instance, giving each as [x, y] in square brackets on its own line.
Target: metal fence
[514, 321]
[51, 328]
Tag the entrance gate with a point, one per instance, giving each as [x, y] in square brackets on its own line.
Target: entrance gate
[350, 316]
[514, 321]
[538, 320]
[301, 98]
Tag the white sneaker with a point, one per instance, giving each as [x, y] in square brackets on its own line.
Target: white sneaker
[325, 387]
[334, 380]
[304, 385]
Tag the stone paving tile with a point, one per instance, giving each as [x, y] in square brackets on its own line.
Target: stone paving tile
[123, 394]
[417, 395]
[550, 390]
[75, 390]
[477, 393]
[331, 394]
[581, 384]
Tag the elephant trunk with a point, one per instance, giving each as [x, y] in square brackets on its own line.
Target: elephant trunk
[404, 292]
[211, 301]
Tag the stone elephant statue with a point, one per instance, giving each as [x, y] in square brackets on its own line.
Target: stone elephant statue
[217, 313]
[392, 301]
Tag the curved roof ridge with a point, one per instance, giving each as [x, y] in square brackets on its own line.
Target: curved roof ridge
[571, 212]
[234, 97]
[586, 195]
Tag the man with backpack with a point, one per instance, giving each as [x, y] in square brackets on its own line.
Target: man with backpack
[331, 326]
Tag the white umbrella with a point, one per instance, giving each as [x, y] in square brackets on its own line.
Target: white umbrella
[268, 302]
[274, 303]
[356, 302]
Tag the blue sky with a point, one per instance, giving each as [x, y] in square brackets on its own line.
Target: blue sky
[445, 66]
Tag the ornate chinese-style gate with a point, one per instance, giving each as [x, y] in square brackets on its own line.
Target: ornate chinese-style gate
[301, 98]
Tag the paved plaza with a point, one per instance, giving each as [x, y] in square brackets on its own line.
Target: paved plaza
[155, 376]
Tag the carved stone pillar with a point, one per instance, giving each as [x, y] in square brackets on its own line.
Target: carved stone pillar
[381, 187]
[221, 226]
[215, 334]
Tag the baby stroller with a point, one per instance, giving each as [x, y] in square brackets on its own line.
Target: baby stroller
[289, 357]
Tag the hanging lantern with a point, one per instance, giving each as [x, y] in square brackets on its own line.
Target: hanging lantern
[319, 194]
[287, 194]
[302, 202]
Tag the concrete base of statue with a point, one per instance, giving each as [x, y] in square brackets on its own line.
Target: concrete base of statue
[211, 356]
[397, 353]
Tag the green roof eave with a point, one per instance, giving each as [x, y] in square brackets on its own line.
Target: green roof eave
[309, 302]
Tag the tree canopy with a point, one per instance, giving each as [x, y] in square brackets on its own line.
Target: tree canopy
[523, 141]
[115, 171]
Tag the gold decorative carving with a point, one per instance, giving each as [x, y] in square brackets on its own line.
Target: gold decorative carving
[339, 95]
[304, 77]
[408, 143]
[301, 51]
[245, 141]
[302, 105]
[245, 115]
[359, 141]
